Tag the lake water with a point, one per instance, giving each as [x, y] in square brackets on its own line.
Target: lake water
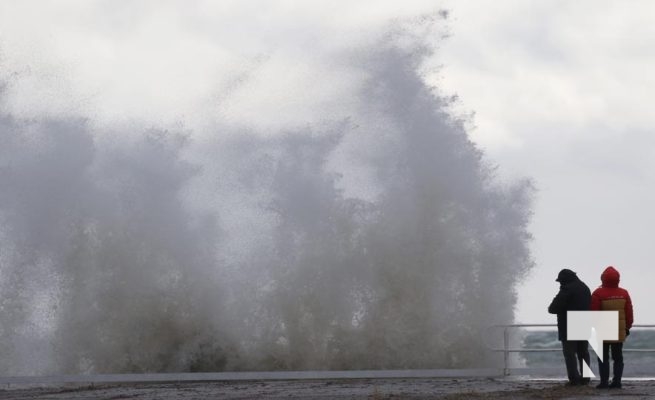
[636, 363]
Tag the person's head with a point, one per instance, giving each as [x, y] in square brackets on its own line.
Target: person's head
[610, 277]
[566, 275]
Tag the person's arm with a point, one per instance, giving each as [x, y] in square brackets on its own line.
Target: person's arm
[558, 305]
[629, 318]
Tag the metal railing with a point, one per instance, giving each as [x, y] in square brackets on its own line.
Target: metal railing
[507, 350]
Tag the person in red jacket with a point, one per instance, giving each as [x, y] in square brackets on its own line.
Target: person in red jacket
[610, 297]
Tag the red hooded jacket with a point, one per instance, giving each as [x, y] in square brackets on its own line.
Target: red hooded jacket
[610, 297]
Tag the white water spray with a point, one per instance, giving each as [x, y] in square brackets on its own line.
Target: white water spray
[376, 240]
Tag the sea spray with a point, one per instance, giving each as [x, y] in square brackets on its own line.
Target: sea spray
[381, 239]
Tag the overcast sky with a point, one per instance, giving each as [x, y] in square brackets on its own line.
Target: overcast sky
[562, 92]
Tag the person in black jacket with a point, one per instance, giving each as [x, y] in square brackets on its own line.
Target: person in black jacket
[573, 295]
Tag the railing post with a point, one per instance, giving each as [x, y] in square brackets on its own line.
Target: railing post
[506, 350]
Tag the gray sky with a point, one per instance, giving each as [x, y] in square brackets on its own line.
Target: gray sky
[561, 90]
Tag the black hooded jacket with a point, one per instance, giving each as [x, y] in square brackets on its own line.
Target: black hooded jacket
[573, 295]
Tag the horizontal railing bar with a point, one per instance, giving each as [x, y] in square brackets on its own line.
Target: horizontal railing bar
[525, 350]
[523, 325]
[555, 325]
[559, 349]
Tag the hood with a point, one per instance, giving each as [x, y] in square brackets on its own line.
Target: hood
[610, 277]
[566, 275]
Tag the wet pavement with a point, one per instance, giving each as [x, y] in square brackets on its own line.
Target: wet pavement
[441, 388]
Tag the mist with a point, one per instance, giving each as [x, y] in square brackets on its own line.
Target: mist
[372, 235]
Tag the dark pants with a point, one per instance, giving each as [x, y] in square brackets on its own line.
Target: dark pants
[617, 356]
[575, 352]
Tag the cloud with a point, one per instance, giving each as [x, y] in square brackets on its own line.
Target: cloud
[526, 65]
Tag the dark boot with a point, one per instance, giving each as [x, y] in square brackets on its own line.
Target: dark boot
[618, 374]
